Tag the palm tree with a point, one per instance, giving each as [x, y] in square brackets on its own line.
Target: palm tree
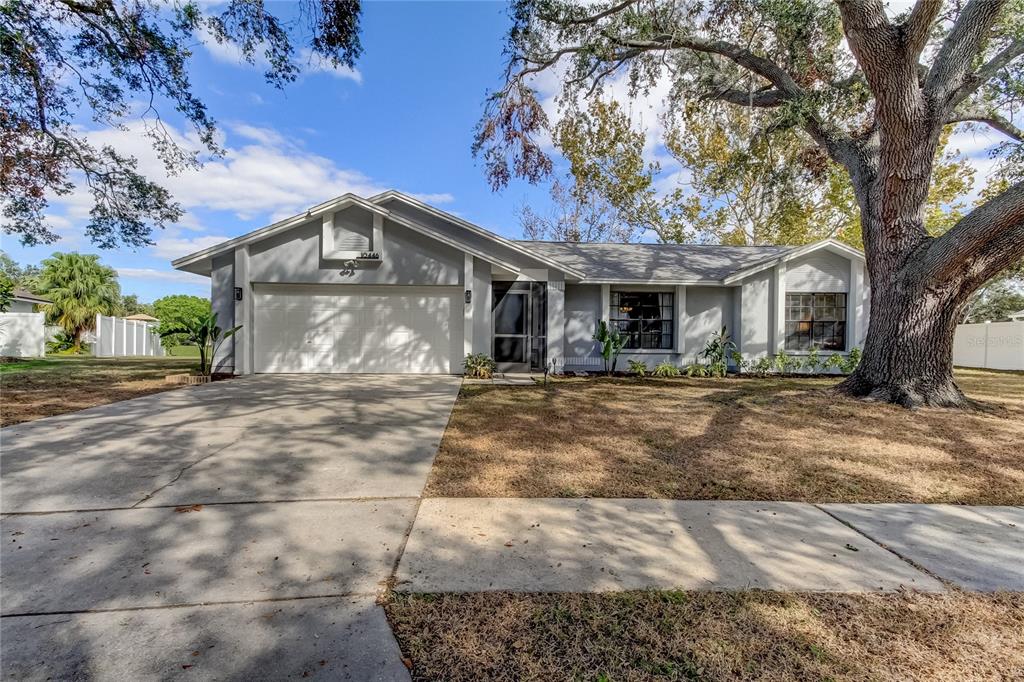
[80, 287]
[203, 332]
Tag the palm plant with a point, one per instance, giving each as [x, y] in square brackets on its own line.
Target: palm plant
[203, 332]
[612, 343]
[717, 352]
[79, 288]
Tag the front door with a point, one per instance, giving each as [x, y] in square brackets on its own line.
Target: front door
[520, 326]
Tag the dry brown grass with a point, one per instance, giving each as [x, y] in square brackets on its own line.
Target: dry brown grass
[711, 636]
[730, 439]
[44, 388]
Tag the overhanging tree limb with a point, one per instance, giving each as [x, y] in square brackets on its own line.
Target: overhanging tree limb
[990, 118]
[988, 71]
[988, 239]
[952, 66]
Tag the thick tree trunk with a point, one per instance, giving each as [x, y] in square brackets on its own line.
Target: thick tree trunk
[908, 353]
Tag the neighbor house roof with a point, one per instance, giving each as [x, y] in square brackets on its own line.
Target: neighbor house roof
[142, 317]
[661, 263]
[28, 296]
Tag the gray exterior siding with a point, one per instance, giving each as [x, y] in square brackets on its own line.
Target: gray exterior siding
[481, 306]
[822, 271]
[753, 329]
[410, 259]
[222, 283]
[582, 313]
[708, 309]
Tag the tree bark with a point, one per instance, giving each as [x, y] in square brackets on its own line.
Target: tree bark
[908, 353]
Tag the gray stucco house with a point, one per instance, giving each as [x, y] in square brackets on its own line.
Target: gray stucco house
[390, 284]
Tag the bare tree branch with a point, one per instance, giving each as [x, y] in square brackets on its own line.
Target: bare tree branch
[988, 71]
[919, 25]
[615, 9]
[951, 67]
[991, 119]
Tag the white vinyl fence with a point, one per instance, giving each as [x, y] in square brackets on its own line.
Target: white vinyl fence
[993, 345]
[116, 337]
[21, 335]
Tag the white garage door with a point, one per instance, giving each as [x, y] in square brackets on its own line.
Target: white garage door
[352, 329]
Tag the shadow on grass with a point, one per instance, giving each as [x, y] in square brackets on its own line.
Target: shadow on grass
[774, 439]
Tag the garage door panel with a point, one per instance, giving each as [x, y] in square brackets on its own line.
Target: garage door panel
[357, 329]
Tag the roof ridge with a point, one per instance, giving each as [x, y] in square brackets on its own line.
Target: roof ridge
[720, 246]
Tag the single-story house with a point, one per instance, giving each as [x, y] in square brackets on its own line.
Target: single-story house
[24, 301]
[1017, 316]
[391, 284]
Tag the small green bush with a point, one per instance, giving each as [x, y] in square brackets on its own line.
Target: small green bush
[699, 370]
[762, 367]
[851, 361]
[665, 369]
[638, 367]
[479, 366]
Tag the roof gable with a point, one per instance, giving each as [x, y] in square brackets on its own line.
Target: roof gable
[832, 245]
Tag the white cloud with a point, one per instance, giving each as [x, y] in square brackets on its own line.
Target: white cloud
[164, 275]
[310, 62]
[174, 247]
[271, 177]
[264, 176]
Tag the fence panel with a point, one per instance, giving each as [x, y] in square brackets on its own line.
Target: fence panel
[22, 335]
[994, 345]
[116, 337]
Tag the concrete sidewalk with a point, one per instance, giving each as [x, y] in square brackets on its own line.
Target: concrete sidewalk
[564, 545]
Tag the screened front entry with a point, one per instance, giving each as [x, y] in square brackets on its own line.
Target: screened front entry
[519, 310]
[816, 321]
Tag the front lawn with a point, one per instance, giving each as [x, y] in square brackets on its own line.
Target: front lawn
[57, 384]
[749, 635]
[731, 439]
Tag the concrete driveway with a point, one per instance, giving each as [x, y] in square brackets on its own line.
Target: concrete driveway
[234, 530]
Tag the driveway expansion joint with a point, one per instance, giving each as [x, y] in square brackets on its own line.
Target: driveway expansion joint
[915, 565]
[189, 605]
[299, 500]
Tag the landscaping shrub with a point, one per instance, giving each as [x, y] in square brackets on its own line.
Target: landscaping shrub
[479, 366]
[665, 369]
[638, 367]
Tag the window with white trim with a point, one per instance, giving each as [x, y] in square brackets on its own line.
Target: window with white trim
[815, 320]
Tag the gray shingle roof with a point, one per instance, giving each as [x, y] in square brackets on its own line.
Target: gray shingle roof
[644, 262]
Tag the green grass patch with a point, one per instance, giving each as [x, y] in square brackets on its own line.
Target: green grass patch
[183, 351]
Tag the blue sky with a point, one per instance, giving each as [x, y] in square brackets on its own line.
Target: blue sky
[404, 119]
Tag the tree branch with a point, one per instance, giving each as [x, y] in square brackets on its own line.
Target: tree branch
[763, 67]
[951, 66]
[987, 71]
[593, 19]
[988, 239]
[991, 119]
[763, 98]
[918, 26]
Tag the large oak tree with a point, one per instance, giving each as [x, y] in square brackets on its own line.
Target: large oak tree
[873, 92]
